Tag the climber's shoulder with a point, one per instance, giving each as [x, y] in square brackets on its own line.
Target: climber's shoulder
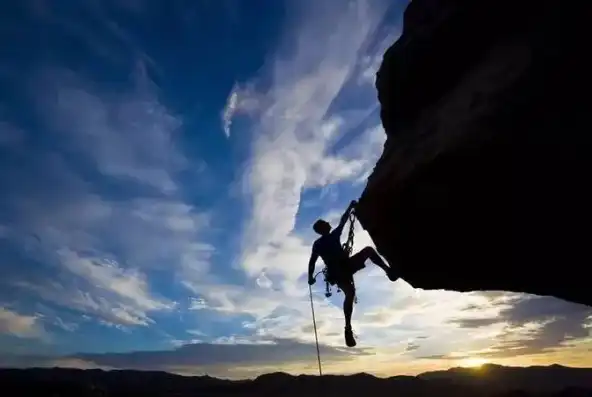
[319, 243]
[316, 243]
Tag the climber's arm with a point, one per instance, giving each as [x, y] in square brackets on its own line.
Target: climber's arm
[344, 217]
[311, 265]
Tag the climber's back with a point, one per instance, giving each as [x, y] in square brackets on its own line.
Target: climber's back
[328, 246]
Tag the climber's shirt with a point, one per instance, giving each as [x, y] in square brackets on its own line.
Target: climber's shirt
[328, 247]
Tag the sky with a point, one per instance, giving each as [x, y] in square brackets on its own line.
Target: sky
[161, 164]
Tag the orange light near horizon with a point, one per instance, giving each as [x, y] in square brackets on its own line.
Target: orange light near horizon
[473, 362]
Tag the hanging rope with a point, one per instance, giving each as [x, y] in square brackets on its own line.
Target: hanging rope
[314, 323]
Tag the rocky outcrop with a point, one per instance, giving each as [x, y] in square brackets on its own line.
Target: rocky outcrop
[485, 178]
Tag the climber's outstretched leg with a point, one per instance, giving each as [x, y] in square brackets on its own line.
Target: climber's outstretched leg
[358, 259]
[348, 308]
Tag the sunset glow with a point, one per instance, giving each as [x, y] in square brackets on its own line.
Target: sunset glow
[473, 362]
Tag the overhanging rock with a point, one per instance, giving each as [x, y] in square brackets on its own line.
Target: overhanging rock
[485, 178]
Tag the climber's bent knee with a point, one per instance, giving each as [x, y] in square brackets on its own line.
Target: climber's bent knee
[358, 260]
[368, 251]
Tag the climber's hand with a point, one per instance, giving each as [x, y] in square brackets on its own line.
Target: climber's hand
[311, 280]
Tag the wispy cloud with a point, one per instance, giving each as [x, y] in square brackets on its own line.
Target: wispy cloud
[241, 100]
[92, 280]
[229, 112]
[20, 325]
[129, 135]
[97, 248]
[106, 274]
[103, 275]
[533, 325]
[103, 307]
[66, 326]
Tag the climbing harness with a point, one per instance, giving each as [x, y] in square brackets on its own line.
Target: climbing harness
[314, 323]
[347, 248]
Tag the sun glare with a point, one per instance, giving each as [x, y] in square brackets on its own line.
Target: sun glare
[474, 362]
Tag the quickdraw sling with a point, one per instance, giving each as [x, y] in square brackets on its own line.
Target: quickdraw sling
[347, 248]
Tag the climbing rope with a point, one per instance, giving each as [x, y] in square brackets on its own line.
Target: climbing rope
[314, 323]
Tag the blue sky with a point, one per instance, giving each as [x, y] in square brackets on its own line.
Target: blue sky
[161, 164]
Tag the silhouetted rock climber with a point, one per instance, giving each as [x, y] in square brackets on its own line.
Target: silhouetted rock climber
[340, 266]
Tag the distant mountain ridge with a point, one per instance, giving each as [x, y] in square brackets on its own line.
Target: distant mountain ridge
[487, 381]
[534, 378]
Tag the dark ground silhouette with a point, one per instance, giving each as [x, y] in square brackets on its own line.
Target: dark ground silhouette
[489, 381]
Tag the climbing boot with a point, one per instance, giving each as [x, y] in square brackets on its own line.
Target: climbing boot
[349, 337]
[392, 274]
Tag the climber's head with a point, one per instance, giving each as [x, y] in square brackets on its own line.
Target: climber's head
[322, 227]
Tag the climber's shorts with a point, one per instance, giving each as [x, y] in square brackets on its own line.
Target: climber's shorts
[344, 272]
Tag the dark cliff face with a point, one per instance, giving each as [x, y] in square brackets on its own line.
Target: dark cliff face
[485, 179]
